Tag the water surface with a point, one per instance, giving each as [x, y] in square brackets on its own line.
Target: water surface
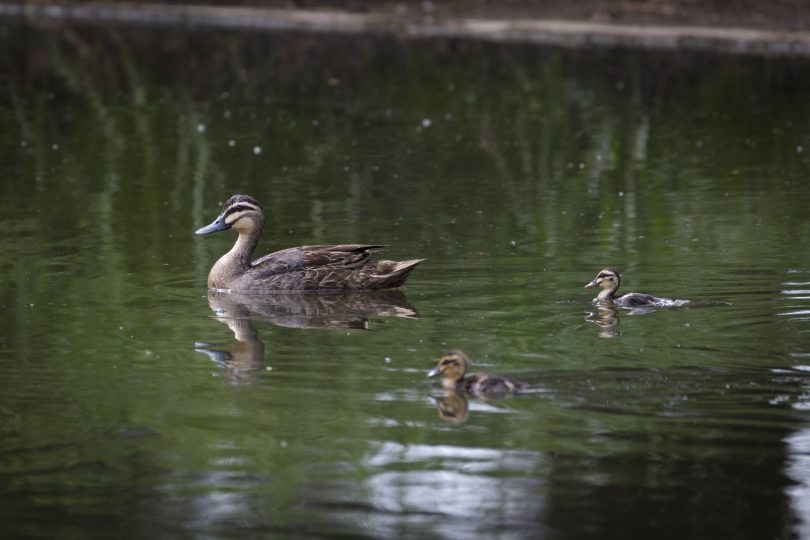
[134, 403]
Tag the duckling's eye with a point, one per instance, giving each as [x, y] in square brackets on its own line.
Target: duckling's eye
[450, 362]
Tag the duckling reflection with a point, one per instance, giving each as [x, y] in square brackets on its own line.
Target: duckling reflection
[454, 366]
[607, 319]
[452, 407]
[610, 280]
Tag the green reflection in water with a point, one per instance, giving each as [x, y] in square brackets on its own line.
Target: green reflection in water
[517, 172]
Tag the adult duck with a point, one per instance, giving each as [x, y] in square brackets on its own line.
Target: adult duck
[320, 267]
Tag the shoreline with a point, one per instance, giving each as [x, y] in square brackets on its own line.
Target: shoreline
[407, 25]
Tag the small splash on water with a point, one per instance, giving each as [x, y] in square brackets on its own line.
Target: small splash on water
[668, 302]
[804, 404]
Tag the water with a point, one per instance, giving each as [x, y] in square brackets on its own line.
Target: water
[134, 404]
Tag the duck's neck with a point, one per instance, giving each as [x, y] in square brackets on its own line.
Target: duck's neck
[236, 262]
[606, 295]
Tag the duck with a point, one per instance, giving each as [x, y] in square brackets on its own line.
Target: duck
[304, 268]
[610, 279]
[454, 366]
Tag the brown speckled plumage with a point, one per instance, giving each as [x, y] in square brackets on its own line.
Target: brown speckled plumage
[317, 267]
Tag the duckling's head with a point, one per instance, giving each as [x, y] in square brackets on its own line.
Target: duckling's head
[453, 365]
[240, 212]
[607, 278]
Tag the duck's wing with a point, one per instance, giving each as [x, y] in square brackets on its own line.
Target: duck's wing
[324, 267]
[370, 275]
[313, 257]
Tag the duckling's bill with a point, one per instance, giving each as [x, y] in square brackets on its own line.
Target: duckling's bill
[593, 283]
[435, 371]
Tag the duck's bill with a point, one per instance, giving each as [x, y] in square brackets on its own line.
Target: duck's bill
[591, 285]
[218, 225]
[433, 372]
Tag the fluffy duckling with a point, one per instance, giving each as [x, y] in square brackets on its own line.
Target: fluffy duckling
[610, 280]
[454, 365]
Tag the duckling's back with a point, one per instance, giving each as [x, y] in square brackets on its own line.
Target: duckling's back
[492, 384]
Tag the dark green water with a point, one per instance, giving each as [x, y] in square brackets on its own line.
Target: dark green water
[518, 173]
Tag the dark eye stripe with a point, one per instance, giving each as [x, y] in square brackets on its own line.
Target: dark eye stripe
[240, 208]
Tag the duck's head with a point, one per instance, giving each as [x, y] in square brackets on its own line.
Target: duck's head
[453, 365]
[607, 278]
[240, 212]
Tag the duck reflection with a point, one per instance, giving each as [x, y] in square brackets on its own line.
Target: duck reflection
[244, 359]
[312, 310]
[607, 319]
[453, 407]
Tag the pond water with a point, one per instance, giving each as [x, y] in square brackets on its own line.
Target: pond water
[133, 403]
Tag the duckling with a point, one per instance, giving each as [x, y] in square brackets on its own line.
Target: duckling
[321, 267]
[610, 280]
[454, 365]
